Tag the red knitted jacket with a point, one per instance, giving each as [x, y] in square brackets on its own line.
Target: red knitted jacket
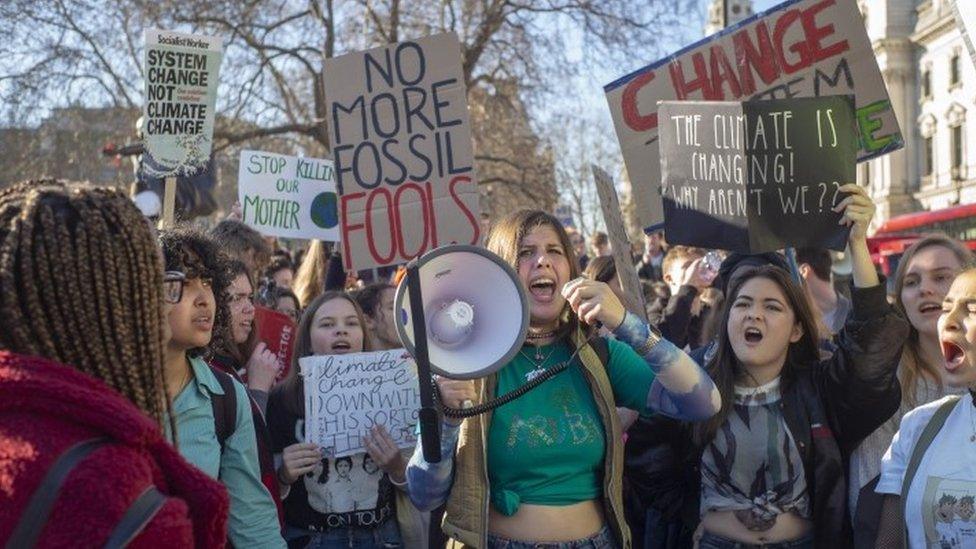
[45, 408]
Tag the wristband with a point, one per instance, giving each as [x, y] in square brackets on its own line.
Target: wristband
[398, 484]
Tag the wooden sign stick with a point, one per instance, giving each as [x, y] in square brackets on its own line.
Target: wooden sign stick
[620, 243]
[169, 204]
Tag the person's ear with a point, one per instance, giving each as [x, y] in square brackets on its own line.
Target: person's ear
[797, 332]
[804, 269]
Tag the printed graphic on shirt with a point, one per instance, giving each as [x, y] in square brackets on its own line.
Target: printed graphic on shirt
[344, 484]
[343, 492]
[561, 425]
[949, 513]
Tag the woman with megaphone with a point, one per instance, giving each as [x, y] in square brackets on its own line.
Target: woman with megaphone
[546, 467]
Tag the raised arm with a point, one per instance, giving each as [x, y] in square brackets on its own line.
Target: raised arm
[681, 388]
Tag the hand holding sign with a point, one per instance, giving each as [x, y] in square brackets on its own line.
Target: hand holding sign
[858, 210]
[297, 460]
[383, 449]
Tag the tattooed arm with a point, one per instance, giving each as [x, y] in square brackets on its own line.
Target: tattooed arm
[681, 389]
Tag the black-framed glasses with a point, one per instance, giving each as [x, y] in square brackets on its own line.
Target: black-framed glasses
[173, 286]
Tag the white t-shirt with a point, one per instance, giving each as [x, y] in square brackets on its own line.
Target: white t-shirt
[940, 508]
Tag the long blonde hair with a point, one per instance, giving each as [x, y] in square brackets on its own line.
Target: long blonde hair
[913, 367]
[310, 278]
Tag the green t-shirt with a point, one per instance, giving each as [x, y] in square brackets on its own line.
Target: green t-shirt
[547, 447]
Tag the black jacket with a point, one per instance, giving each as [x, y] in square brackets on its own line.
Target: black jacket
[828, 407]
[674, 319]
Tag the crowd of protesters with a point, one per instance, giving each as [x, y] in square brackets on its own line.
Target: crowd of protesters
[735, 402]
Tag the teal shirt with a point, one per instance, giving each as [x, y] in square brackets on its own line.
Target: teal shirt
[547, 447]
[253, 516]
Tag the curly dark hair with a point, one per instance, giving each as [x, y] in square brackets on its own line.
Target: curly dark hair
[222, 342]
[197, 255]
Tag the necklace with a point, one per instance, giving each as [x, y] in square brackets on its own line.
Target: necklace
[539, 361]
[540, 335]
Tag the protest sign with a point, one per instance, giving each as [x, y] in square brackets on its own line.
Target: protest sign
[801, 48]
[757, 176]
[347, 395]
[619, 242]
[277, 331]
[180, 97]
[288, 196]
[966, 21]
[401, 143]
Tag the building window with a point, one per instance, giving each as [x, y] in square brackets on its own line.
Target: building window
[954, 69]
[926, 83]
[928, 167]
[957, 159]
[867, 173]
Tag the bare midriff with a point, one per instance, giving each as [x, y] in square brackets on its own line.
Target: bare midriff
[787, 527]
[548, 523]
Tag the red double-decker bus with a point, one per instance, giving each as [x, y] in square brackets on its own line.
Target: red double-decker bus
[889, 242]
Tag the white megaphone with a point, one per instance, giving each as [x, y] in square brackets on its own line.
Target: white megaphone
[475, 309]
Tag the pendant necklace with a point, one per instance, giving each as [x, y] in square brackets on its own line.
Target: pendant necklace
[539, 361]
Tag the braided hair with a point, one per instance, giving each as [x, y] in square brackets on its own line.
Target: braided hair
[81, 283]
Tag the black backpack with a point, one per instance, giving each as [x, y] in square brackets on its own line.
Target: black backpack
[224, 407]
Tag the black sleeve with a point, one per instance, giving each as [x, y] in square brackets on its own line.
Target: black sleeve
[281, 424]
[674, 321]
[859, 383]
[335, 275]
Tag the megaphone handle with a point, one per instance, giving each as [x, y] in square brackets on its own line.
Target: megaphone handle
[430, 432]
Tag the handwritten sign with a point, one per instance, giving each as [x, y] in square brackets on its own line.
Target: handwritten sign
[801, 48]
[288, 196]
[347, 395]
[757, 176]
[181, 94]
[402, 151]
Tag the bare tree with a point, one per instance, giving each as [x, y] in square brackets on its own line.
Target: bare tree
[88, 53]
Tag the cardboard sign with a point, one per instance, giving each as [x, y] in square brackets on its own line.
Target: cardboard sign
[401, 143]
[801, 48]
[613, 218]
[757, 176]
[288, 196]
[181, 95]
[277, 331]
[346, 395]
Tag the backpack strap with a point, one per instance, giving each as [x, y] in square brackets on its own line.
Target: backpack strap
[932, 429]
[224, 407]
[135, 519]
[35, 515]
